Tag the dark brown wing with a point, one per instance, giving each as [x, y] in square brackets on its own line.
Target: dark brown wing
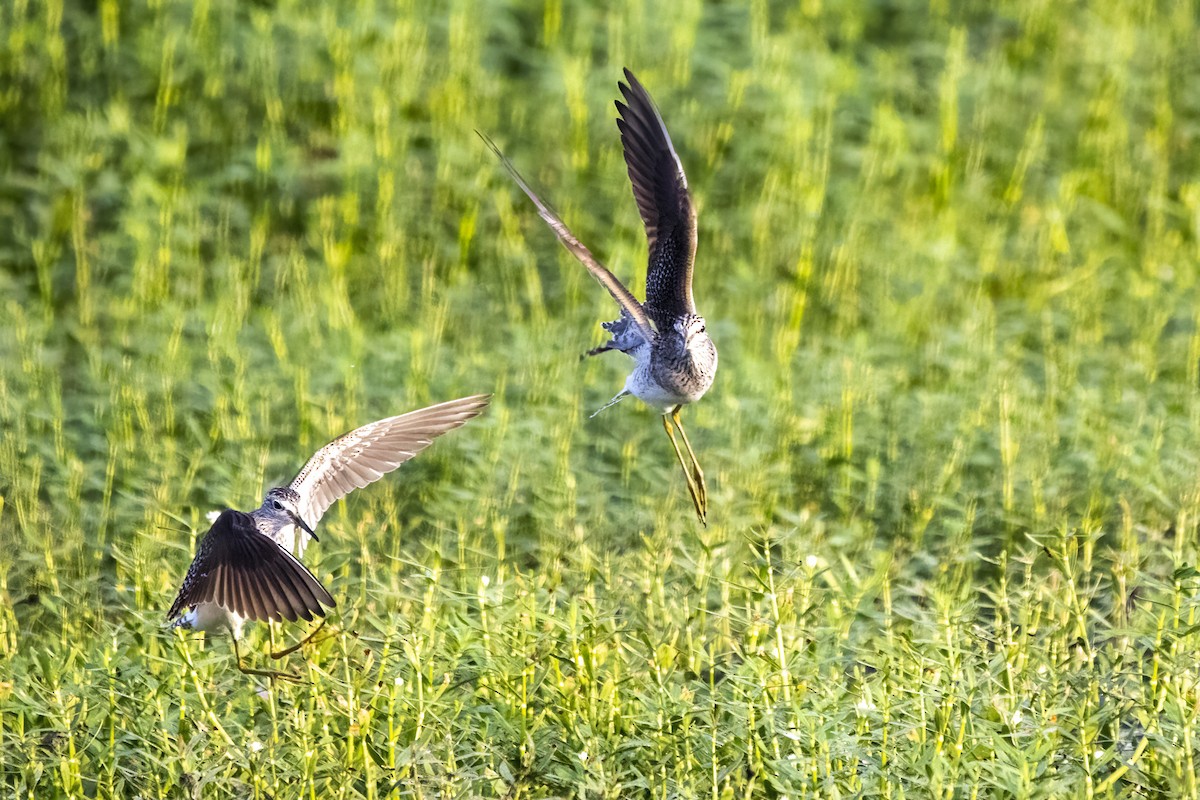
[661, 191]
[247, 573]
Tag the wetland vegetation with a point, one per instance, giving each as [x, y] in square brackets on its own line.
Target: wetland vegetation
[948, 253]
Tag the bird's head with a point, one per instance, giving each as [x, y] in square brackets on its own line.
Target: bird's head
[689, 349]
[281, 507]
[690, 328]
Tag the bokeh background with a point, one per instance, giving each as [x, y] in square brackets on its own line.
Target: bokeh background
[948, 252]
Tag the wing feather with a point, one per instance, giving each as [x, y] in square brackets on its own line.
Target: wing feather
[623, 296]
[366, 454]
[661, 191]
[274, 598]
[247, 573]
[254, 596]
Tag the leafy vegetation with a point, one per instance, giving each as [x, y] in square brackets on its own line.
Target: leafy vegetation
[949, 255]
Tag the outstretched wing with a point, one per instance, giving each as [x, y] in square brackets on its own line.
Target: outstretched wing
[366, 454]
[661, 191]
[601, 273]
[247, 573]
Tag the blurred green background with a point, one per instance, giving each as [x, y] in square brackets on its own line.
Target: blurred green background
[948, 253]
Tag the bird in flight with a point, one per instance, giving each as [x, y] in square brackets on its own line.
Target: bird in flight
[675, 361]
[247, 567]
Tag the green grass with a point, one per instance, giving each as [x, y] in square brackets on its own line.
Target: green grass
[949, 254]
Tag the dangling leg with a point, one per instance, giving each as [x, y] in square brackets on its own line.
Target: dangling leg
[302, 642]
[266, 673]
[697, 473]
[691, 483]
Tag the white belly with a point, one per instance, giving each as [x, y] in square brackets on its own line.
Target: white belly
[642, 385]
[212, 617]
[287, 539]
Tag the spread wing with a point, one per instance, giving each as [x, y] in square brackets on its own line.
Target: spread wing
[661, 191]
[247, 573]
[366, 454]
[601, 273]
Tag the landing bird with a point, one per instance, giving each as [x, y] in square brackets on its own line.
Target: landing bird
[245, 568]
[674, 360]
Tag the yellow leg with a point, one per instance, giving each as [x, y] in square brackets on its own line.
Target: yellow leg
[693, 489]
[266, 673]
[697, 473]
[300, 643]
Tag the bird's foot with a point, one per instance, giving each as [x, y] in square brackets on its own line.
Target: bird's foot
[271, 674]
[306, 640]
[699, 495]
[691, 473]
[701, 491]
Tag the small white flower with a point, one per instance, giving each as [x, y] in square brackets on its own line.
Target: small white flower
[811, 561]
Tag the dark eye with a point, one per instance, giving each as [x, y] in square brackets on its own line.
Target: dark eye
[278, 506]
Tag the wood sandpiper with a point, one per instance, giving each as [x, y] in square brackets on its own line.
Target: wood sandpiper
[675, 361]
[244, 567]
